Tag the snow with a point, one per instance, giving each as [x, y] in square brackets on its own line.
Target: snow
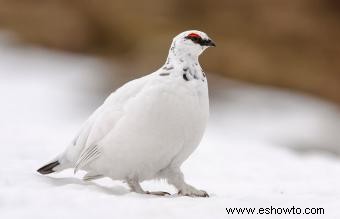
[263, 147]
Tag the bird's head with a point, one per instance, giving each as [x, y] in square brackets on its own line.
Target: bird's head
[192, 42]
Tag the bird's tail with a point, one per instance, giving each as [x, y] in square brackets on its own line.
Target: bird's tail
[56, 165]
[48, 168]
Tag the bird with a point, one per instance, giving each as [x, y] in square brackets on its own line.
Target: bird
[148, 127]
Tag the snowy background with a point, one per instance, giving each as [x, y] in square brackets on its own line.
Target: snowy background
[263, 146]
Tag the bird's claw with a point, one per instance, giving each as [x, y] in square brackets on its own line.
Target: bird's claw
[159, 193]
[197, 193]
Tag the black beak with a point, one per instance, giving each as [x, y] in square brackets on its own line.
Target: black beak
[208, 43]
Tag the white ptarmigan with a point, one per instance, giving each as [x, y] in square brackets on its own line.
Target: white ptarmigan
[148, 127]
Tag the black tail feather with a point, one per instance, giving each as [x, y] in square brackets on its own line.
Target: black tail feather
[47, 169]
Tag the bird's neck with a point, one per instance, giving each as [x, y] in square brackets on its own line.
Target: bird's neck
[184, 63]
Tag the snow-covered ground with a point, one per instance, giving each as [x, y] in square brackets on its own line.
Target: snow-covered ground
[254, 153]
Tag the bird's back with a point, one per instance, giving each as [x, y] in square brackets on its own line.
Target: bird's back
[103, 119]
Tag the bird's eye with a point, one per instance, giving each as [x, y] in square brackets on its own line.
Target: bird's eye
[195, 39]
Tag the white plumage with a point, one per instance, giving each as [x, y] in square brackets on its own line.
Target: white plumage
[147, 128]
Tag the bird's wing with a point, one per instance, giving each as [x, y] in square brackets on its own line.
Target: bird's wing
[103, 120]
[87, 156]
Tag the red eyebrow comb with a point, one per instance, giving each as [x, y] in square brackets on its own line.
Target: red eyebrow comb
[194, 35]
